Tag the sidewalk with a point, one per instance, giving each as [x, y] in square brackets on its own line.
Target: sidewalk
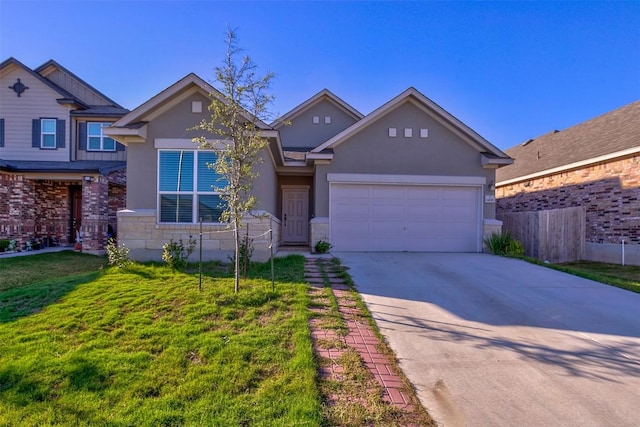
[36, 252]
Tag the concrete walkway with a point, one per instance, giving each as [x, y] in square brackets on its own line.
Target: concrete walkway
[36, 252]
[494, 341]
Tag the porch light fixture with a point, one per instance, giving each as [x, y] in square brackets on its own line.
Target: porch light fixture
[491, 186]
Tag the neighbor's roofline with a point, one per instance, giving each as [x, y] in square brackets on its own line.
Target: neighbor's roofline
[64, 93]
[575, 165]
[66, 70]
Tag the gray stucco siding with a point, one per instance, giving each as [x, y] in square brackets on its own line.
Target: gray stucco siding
[372, 151]
[303, 133]
[174, 123]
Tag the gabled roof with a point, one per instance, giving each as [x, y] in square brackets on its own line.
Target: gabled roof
[323, 95]
[170, 96]
[496, 156]
[65, 96]
[610, 135]
[45, 68]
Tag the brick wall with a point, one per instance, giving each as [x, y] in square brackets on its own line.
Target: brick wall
[609, 192]
[33, 209]
[41, 208]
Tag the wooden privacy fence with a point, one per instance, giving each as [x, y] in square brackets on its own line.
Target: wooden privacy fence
[556, 235]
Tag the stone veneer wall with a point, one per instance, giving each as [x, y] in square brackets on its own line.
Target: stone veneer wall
[319, 230]
[609, 192]
[140, 232]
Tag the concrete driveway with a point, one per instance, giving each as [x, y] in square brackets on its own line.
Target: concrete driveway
[491, 341]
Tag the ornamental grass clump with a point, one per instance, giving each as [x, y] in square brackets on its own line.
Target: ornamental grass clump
[504, 244]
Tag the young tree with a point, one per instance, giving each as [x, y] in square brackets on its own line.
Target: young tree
[237, 111]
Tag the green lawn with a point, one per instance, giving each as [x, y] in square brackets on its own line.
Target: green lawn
[85, 345]
[621, 276]
[625, 277]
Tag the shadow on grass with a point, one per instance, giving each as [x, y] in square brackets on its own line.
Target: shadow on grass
[26, 300]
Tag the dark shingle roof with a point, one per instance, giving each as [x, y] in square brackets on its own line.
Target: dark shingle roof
[101, 110]
[609, 133]
[80, 166]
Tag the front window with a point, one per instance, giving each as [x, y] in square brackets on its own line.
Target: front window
[96, 140]
[185, 187]
[48, 133]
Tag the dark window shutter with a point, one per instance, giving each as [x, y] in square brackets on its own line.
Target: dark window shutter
[119, 147]
[60, 133]
[35, 134]
[1, 132]
[82, 136]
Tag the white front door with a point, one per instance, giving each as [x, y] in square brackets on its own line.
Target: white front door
[295, 216]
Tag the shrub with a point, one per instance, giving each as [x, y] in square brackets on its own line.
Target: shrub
[118, 255]
[504, 244]
[176, 255]
[322, 247]
[246, 252]
[4, 244]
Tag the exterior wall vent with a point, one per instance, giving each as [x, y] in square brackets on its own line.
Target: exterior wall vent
[196, 106]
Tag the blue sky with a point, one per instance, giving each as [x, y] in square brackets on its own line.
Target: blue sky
[510, 70]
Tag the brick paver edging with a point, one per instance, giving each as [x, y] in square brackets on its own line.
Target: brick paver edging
[360, 337]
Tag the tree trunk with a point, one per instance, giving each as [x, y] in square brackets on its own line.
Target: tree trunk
[236, 236]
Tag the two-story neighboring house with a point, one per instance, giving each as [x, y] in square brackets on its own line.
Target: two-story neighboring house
[61, 178]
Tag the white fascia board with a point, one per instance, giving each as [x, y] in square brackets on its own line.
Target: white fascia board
[575, 165]
[319, 156]
[358, 178]
[270, 134]
[126, 135]
[488, 161]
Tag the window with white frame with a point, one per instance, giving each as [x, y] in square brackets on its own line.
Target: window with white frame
[186, 187]
[47, 133]
[96, 140]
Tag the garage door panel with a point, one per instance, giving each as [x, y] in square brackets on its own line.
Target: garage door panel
[379, 217]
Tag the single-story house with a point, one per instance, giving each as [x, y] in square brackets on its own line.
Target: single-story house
[594, 165]
[61, 179]
[406, 177]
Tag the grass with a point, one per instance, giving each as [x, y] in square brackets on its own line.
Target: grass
[354, 399]
[143, 347]
[24, 270]
[625, 277]
[621, 276]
